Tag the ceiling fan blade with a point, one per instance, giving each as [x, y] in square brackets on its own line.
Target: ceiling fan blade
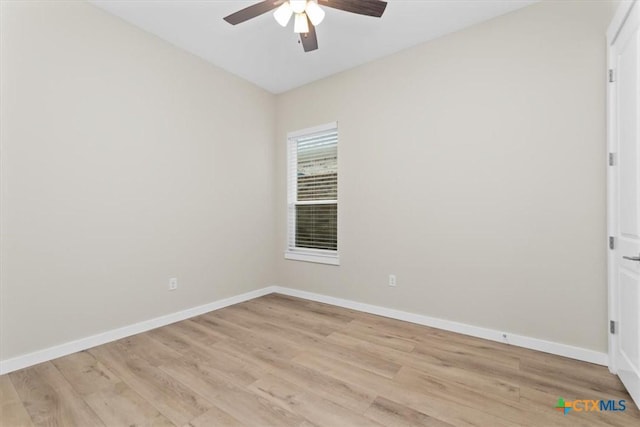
[309, 40]
[362, 7]
[252, 11]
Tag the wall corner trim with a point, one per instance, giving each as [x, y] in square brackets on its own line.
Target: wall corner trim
[40, 356]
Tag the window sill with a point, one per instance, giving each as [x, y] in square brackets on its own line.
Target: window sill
[320, 258]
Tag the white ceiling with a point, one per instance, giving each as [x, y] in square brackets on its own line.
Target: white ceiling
[268, 55]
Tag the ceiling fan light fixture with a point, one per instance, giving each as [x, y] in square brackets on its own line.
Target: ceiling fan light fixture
[314, 12]
[308, 14]
[298, 6]
[301, 25]
[283, 14]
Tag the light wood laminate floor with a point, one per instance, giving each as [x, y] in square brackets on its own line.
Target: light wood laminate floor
[283, 361]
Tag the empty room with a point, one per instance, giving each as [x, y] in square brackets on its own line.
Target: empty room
[319, 213]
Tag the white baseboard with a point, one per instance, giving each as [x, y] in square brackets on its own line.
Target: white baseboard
[565, 350]
[51, 353]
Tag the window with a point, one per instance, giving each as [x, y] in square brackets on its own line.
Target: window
[312, 161]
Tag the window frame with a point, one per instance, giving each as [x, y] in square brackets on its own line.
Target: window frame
[322, 256]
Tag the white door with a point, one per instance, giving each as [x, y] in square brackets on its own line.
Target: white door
[624, 195]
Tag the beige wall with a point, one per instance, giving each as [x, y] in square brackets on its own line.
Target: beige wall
[125, 161]
[472, 167]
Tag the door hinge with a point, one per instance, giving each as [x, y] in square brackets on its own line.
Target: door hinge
[612, 242]
[612, 327]
[612, 159]
[612, 77]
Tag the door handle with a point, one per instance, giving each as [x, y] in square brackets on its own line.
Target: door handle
[632, 258]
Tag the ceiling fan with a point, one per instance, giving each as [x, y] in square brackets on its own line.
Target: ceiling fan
[308, 14]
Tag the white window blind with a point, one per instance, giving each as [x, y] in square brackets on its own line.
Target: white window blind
[313, 194]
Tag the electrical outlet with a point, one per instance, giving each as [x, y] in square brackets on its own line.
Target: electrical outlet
[173, 283]
[392, 280]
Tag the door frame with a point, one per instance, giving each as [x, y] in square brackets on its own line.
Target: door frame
[619, 19]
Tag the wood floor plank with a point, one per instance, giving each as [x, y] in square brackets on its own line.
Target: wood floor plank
[216, 360]
[380, 338]
[49, 398]
[431, 338]
[299, 309]
[85, 373]
[431, 404]
[192, 348]
[281, 334]
[284, 361]
[313, 407]
[235, 400]
[196, 331]
[556, 384]
[441, 368]
[321, 311]
[468, 359]
[252, 317]
[12, 411]
[294, 318]
[174, 339]
[230, 330]
[186, 337]
[393, 414]
[574, 373]
[348, 395]
[472, 397]
[144, 346]
[119, 405]
[215, 417]
[172, 398]
[297, 338]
